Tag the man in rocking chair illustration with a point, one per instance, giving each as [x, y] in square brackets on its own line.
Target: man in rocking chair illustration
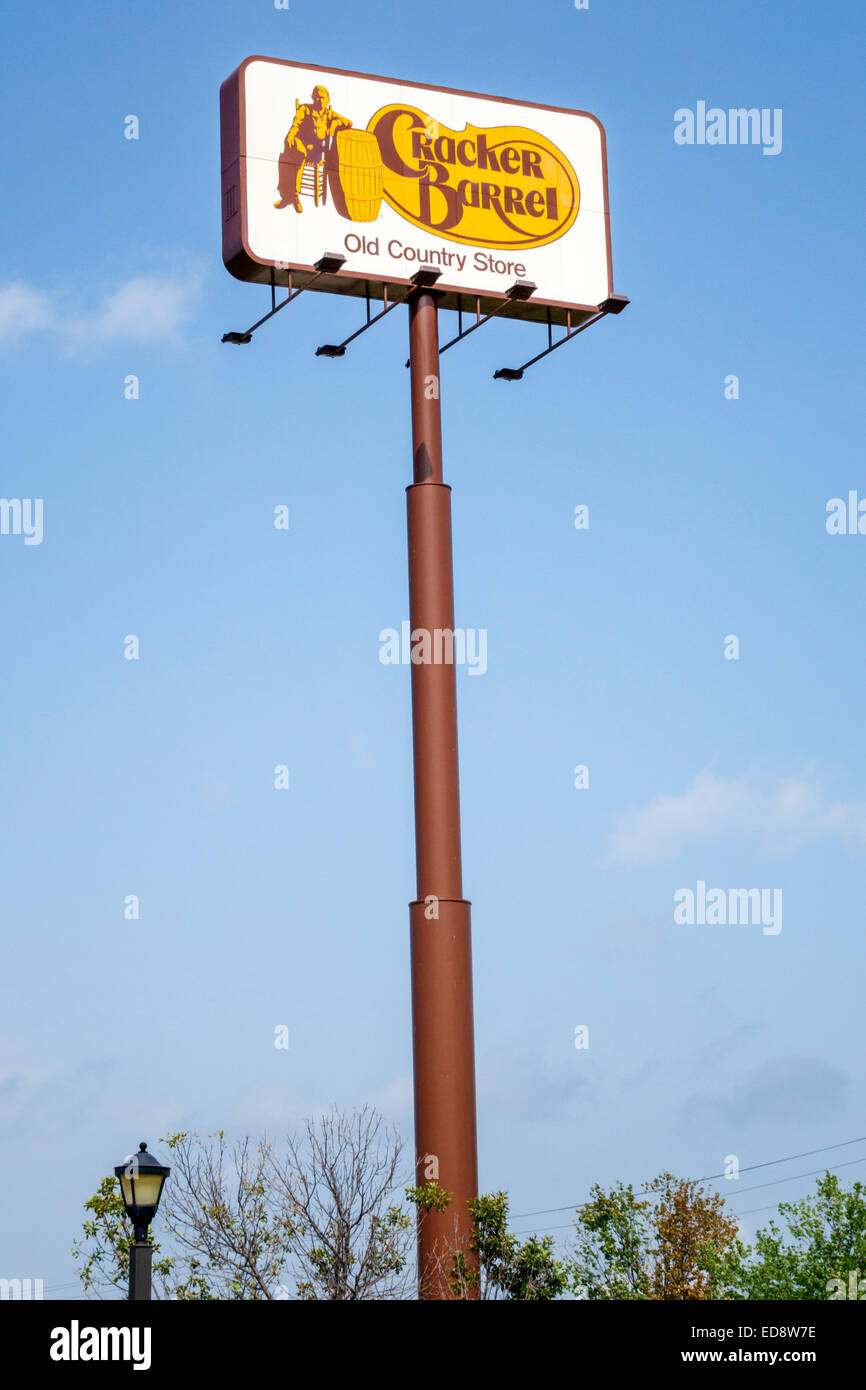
[302, 163]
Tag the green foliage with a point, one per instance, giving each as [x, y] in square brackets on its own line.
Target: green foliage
[103, 1254]
[503, 1267]
[825, 1240]
[496, 1265]
[666, 1248]
[331, 1264]
[236, 1220]
[686, 1247]
[610, 1261]
[429, 1197]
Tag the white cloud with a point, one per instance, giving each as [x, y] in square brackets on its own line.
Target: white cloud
[146, 309]
[394, 1100]
[780, 1091]
[779, 816]
[35, 1096]
[362, 754]
[23, 311]
[528, 1087]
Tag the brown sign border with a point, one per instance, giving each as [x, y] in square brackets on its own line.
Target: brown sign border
[240, 261]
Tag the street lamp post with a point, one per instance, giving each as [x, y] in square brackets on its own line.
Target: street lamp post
[141, 1181]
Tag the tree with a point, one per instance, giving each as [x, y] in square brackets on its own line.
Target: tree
[821, 1254]
[231, 1238]
[611, 1258]
[497, 1265]
[691, 1231]
[243, 1221]
[350, 1240]
[664, 1248]
[103, 1254]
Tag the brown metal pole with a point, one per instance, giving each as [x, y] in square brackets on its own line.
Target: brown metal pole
[443, 1035]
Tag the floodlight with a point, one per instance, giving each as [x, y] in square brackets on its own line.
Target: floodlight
[614, 305]
[522, 289]
[425, 277]
[330, 263]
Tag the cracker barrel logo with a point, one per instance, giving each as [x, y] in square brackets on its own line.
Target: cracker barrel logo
[504, 186]
[323, 153]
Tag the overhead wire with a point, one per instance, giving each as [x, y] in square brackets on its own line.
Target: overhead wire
[711, 1177]
[792, 1177]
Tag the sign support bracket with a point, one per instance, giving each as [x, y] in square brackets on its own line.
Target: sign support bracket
[328, 264]
[521, 289]
[614, 305]
[339, 349]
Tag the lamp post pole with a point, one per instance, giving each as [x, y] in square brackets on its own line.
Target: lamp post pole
[441, 952]
[140, 1267]
[141, 1181]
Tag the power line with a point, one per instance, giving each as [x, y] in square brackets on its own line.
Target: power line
[793, 1177]
[751, 1211]
[757, 1187]
[790, 1159]
[533, 1230]
[579, 1206]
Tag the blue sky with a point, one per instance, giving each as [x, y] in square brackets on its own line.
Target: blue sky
[606, 647]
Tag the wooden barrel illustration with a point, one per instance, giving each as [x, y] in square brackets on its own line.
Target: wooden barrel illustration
[360, 174]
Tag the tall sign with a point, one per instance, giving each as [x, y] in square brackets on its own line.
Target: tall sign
[393, 175]
[342, 182]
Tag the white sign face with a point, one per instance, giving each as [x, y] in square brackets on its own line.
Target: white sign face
[395, 175]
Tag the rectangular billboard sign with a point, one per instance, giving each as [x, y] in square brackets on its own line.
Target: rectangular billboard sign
[392, 175]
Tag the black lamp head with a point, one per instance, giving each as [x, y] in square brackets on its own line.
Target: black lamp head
[141, 1181]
